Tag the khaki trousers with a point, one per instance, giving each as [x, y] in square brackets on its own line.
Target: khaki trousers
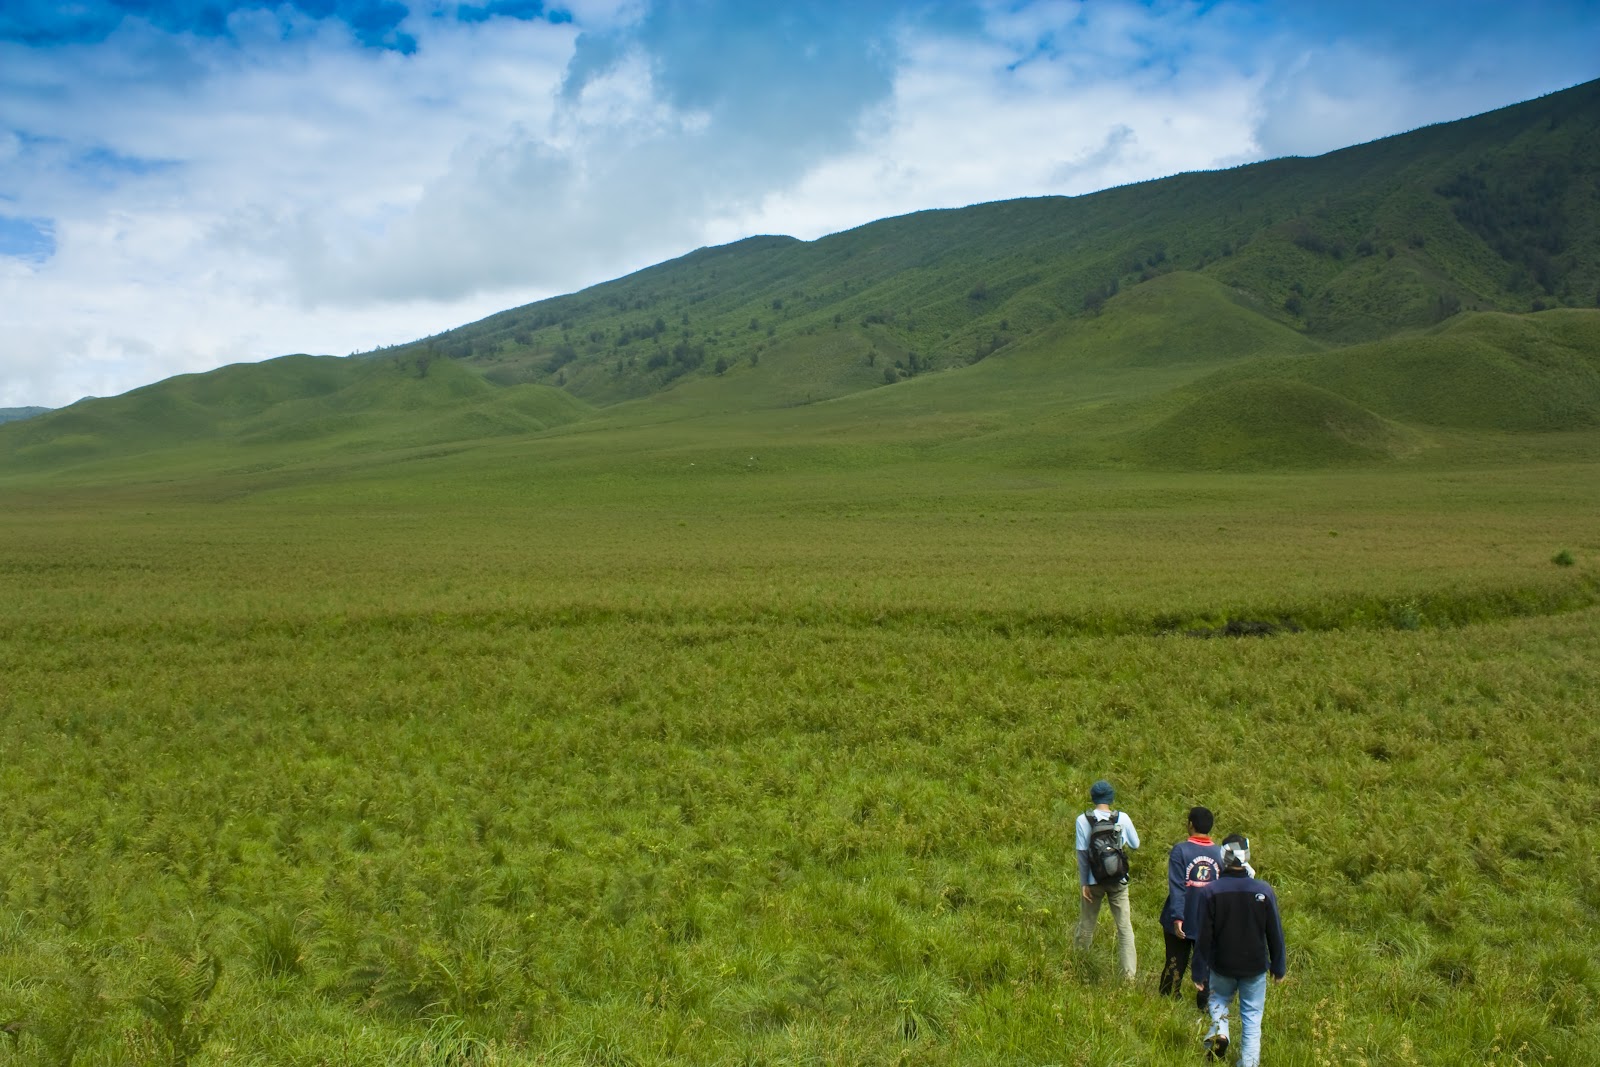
[1121, 914]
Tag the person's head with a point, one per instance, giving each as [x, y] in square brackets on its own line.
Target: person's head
[1200, 820]
[1102, 793]
[1235, 852]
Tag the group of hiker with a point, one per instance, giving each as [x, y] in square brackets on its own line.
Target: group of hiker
[1220, 922]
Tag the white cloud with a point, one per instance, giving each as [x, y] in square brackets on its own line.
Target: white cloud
[1338, 95]
[973, 121]
[553, 202]
[187, 265]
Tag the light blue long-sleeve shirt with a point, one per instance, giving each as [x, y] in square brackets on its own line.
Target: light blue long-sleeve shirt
[1130, 837]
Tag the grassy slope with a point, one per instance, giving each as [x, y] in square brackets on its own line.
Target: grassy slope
[1152, 380]
[1266, 422]
[1538, 373]
[994, 315]
[1494, 212]
[285, 410]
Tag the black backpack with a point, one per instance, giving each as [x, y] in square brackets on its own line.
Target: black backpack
[1108, 859]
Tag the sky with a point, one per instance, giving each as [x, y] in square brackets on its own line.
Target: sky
[190, 183]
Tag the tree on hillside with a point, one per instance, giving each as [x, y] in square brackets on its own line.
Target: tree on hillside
[1095, 299]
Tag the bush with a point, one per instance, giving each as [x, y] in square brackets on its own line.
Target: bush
[1563, 558]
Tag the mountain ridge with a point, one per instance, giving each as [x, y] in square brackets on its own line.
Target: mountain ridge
[1366, 261]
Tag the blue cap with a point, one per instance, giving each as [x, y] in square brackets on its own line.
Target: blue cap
[1102, 793]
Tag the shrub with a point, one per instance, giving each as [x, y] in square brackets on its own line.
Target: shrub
[1406, 615]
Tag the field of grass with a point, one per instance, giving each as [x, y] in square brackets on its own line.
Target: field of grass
[587, 754]
[708, 667]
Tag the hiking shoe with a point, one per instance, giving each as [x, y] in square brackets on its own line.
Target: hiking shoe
[1217, 1047]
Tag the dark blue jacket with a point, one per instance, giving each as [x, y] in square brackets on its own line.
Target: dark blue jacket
[1237, 929]
[1191, 864]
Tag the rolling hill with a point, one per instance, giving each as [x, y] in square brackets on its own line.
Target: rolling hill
[295, 401]
[1373, 305]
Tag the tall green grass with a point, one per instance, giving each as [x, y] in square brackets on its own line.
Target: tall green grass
[479, 759]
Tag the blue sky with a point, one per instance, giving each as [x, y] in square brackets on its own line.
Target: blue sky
[188, 184]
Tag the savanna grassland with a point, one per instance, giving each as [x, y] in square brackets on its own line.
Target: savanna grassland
[718, 758]
[708, 666]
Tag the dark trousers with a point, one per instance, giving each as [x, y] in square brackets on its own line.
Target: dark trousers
[1175, 974]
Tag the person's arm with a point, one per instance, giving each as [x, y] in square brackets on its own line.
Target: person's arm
[1129, 834]
[1081, 843]
[1176, 887]
[1275, 946]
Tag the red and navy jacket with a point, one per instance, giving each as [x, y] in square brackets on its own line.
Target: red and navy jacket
[1190, 865]
[1238, 932]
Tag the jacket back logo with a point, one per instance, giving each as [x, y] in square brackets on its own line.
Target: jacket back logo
[1201, 869]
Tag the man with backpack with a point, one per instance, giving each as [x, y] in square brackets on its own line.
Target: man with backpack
[1238, 940]
[1192, 864]
[1103, 839]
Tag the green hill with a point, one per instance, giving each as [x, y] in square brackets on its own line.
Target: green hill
[1483, 371]
[304, 402]
[1294, 312]
[1270, 422]
[1497, 212]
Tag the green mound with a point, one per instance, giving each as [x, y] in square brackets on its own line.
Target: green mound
[246, 388]
[296, 402]
[1486, 371]
[1271, 422]
[17, 414]
[1180, 317]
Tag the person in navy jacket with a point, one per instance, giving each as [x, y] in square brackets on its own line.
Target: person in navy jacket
[1191, 864]
[1238, 941]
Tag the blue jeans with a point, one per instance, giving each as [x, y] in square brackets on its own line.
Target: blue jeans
[1252, 1003]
